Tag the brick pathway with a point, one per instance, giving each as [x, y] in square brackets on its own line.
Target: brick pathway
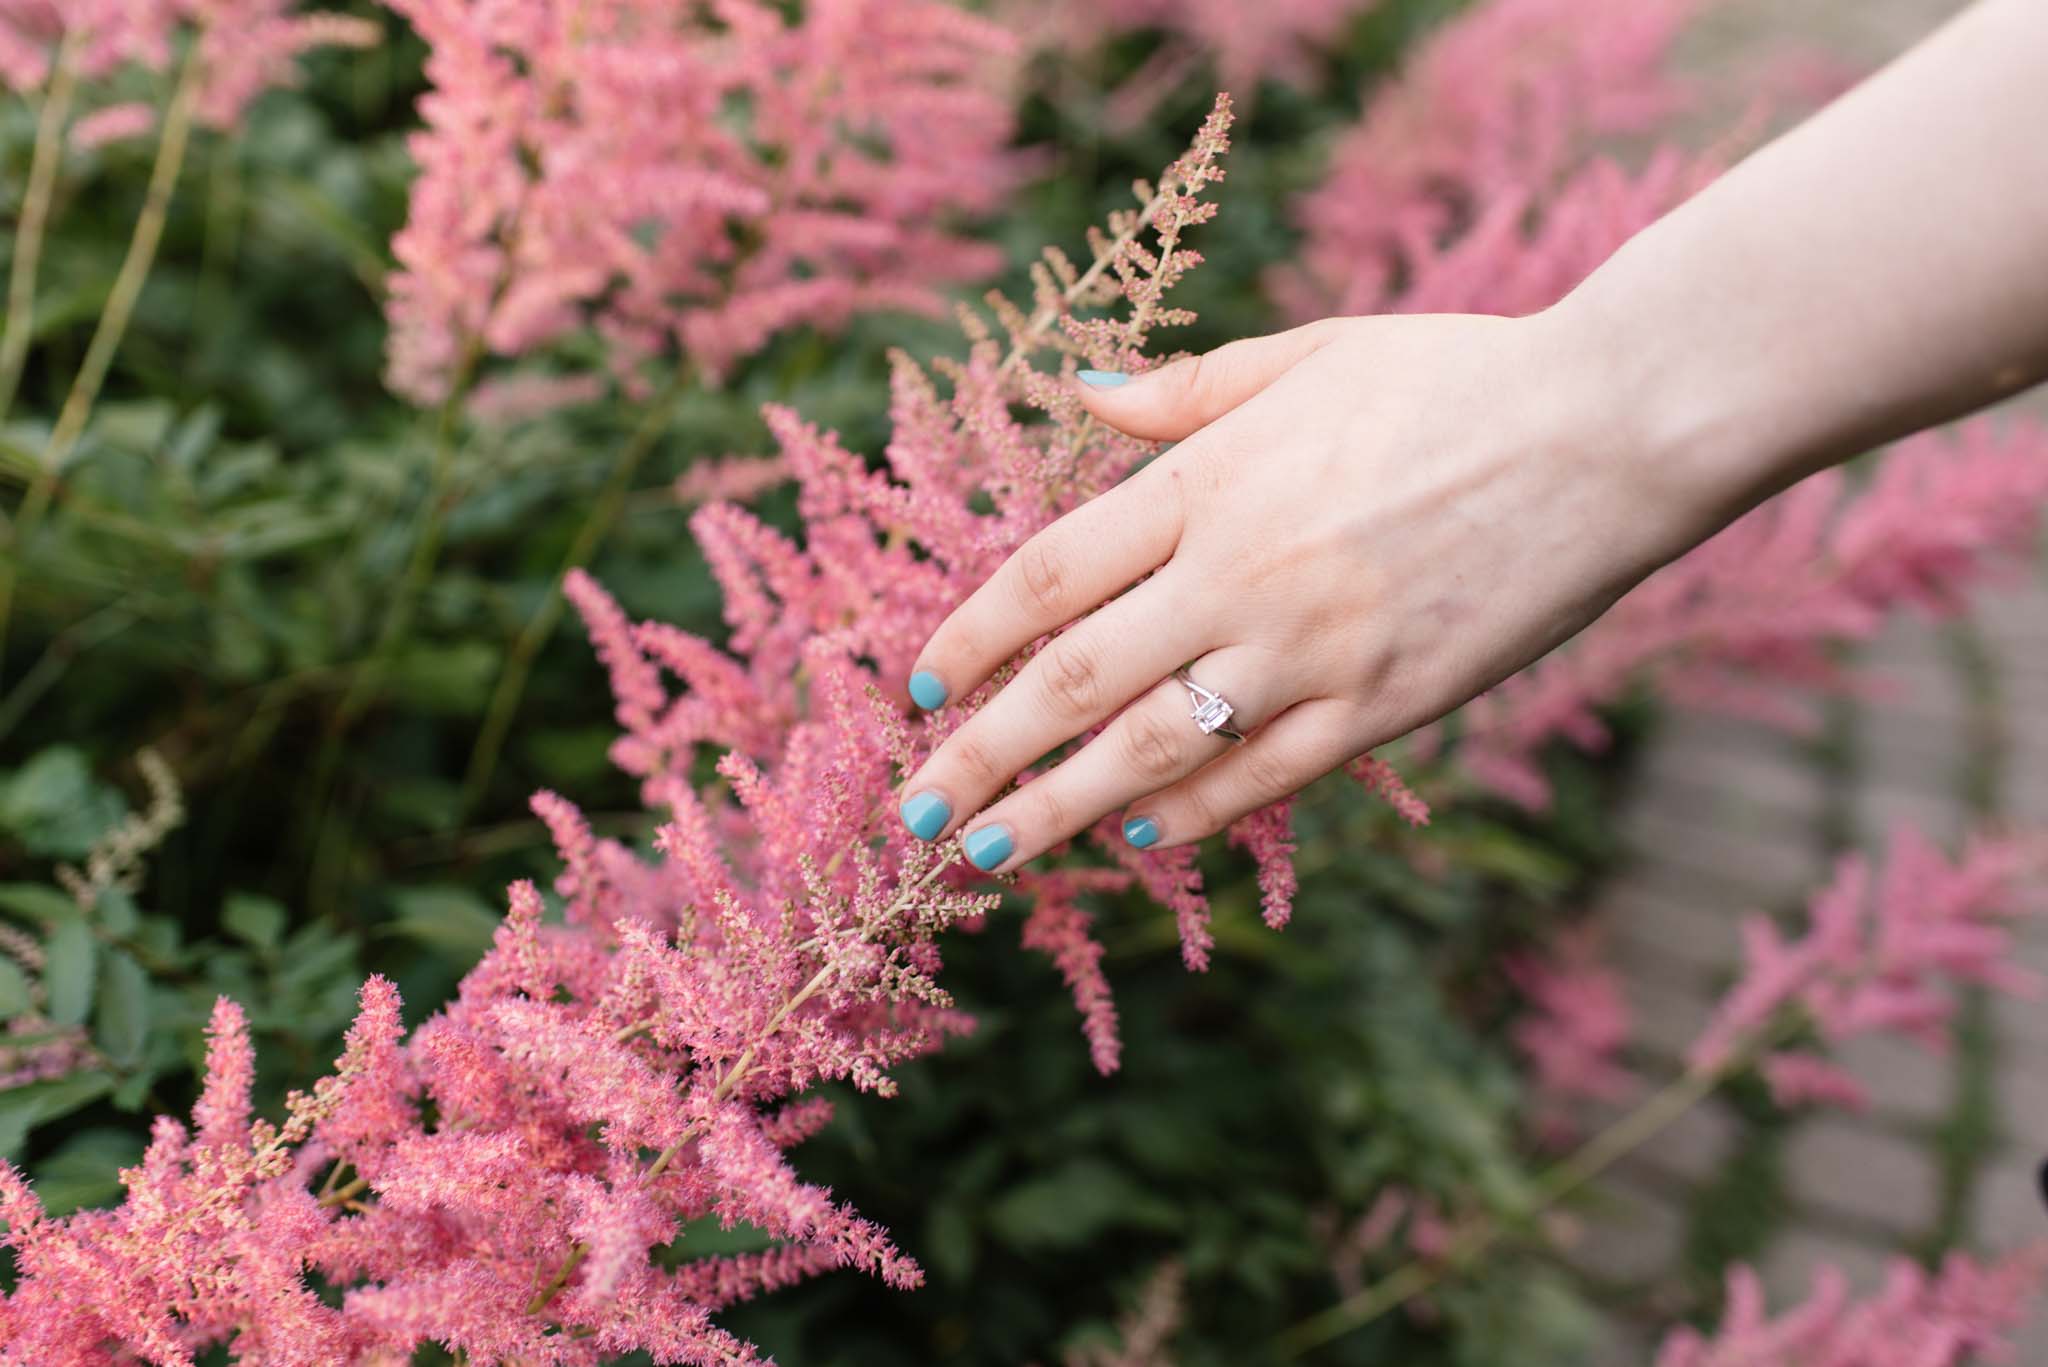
[1727, 817]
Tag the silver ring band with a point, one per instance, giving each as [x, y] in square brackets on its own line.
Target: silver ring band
[1209, 709]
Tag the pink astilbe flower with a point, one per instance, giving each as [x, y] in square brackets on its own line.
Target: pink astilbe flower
[498, 1181]
[242, 47]
[1748, 622]
[1881, 953]
[1378, 776]
[115, 123]
[693, 177]
[1492, 111]
[1575, 1024]
[1964, 1313]
[1145, 1334]
[1058, 927]
[734, 479]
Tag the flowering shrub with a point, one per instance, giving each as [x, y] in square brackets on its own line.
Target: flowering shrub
[239, 47]
[539, 1169]
[1965, 1309]
[1748, 618]
[1486, 119]
[684, 177]
[594, 1086]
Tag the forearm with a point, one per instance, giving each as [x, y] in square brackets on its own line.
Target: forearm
[1878, 269]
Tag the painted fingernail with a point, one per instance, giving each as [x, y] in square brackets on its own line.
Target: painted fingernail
[1141, 832]
[1102, 379]
[988, 847]
[926, 814]
[926, 690]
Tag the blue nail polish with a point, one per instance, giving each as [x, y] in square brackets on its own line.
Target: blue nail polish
[1141, 832]
[926, 814]
[988, 847]
[1102, 379]
[926, 690]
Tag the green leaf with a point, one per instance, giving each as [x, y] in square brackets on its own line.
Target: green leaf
[24, 1108]
[53, 805]
[949, 1241]
[69, 956]
[449, 679]
[86, 1170]
[38, 902]
[121, 1028]
[453, 921]
[14, 996]
[116, 913]
[704, 1236]
[257, 921]
[1074, 1204]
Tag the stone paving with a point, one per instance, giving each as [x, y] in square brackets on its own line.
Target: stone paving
[1727, 817]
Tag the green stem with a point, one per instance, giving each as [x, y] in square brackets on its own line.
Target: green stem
[604, 514]
[65, 647]
[35, 215]
[367, 681]
[1591, 1159]
[113, 325]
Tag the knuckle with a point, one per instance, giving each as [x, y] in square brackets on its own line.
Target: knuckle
[1050, 818]
[1073, 678]
[1042, 575]
[1152, 749]
[1265, 777]
[977, 762]
[1199, 816]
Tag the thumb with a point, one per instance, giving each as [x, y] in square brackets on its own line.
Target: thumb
[1182, 397]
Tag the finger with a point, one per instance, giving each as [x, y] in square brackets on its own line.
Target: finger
[1078, 680]
[1290, 752]
[1180, 398]
[1084, 559]
[1152, 744]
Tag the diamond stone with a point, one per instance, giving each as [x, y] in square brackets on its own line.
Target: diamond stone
[1210, 711]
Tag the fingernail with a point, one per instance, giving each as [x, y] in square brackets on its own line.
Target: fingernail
[926, 814]
[926, 690]
[1141, 832]
[1102, 379]
[988, 847]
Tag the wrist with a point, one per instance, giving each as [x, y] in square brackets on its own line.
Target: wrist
[1695, 439]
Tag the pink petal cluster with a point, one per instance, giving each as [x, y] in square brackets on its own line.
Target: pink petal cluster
[693, 177]
[1881, 953]
[1751, 619]
[1575, 1022]
[1966, 1312]
[1146, 1333]
[1490, 114]
[244, 47]
[499, 1180]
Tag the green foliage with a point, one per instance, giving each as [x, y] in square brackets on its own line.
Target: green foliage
[216, 576]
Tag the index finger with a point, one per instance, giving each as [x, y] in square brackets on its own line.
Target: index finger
[1078, 563]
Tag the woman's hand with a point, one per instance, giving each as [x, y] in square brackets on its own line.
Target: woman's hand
[1369, 520]
[1365, 523]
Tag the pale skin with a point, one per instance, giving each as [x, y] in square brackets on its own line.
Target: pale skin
[1368, 521]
